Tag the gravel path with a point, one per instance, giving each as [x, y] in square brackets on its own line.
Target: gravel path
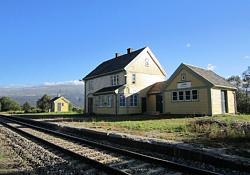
[21, 156]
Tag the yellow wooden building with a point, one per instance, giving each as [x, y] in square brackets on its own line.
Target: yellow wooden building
[59, 104]
[193, 90]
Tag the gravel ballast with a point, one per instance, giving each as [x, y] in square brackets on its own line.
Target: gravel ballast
[22, 156]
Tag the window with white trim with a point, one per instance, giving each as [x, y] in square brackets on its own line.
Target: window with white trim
[105, 101]
[114, 80]
[133, 78]
[122, 100]
[133, 100]
[181, 95]
[194, 95]
[174, 96]
[187, 95]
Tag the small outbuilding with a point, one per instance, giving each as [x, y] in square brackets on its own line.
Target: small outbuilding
[193, 90]
[59, 104]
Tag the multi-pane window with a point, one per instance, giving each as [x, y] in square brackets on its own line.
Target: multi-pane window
[114, 80]
[194, 94]
[133, 100]
[181, 95]
[122, 100]
[105, 101]
[133, 78]
[174, 96]
[187, 95]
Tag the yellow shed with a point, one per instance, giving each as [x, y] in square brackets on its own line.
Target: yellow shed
[194, 90]
[59, 104]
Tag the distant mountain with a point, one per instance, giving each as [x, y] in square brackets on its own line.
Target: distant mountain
[72, 91]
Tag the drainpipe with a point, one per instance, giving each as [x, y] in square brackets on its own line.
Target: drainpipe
[116, 107]
[85, 109]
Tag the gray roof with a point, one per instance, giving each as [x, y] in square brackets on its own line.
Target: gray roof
[106, 90]
[210, 76]
[114, 64]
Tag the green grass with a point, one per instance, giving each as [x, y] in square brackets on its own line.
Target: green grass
[221, 131]
[162, 125]
[50, 113]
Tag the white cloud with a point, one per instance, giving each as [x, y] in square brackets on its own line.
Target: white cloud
[211, 67]
[71, 82]
[188, 45]
[247, 57]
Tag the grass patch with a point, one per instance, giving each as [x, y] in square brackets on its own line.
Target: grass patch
[50, 113]
[231, 132]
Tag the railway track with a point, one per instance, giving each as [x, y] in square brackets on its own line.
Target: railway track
[110, 159]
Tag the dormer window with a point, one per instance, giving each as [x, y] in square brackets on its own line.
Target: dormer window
[114, 80]
[183, 77]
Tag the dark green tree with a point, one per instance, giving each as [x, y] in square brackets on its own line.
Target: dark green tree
[44, 103]
[242, 99]
[26, 107]
[70, 107]
[7, 104]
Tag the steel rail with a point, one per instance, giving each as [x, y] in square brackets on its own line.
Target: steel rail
[70, 153]
[164, 163]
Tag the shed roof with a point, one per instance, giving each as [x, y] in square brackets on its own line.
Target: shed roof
[156, 88]
[114, 64]
[106, 90]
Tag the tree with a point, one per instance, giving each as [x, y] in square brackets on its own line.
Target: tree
[242, 99]
[7, 104]
[70, 106]
[44, 103]
[26, 107]
[235, 81]
[0, 107]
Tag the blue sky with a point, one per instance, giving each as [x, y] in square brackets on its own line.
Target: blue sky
[53, 41]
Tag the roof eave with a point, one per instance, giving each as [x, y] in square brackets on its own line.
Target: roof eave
[226, 87]
[100, 75]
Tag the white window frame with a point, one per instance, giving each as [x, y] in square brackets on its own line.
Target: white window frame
[133, 100]
[114, 80]
[196, 94]
[190, 95]
[173, 96]
[105, 101]
[122, 100]
[182, 95]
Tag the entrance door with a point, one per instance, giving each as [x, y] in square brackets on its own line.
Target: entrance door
[90, 105]
[224, 102]
[59, 107]
[159, 106]
[143, 104]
